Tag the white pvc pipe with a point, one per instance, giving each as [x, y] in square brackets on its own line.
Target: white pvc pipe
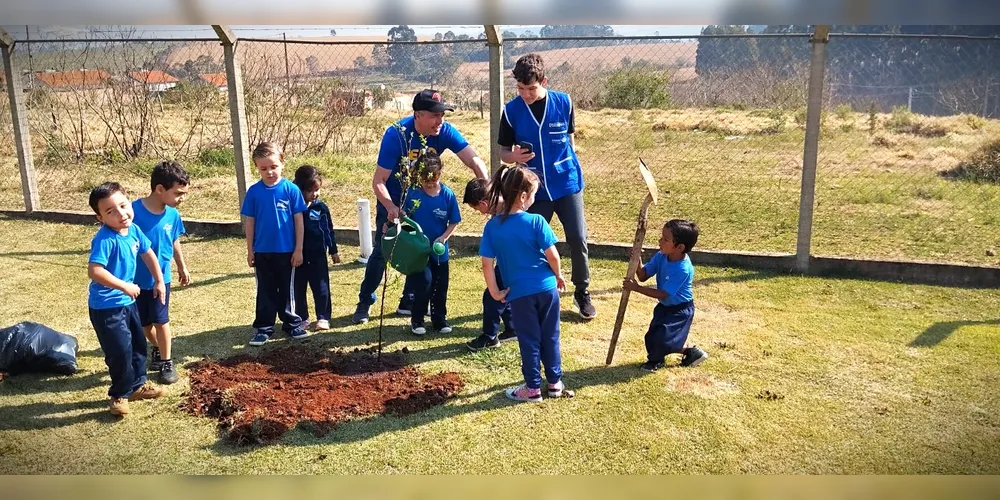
[364, 229]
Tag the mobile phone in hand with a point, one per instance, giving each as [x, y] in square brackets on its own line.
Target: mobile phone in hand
[526, 146]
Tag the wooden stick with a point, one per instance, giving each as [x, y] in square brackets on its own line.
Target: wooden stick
[633, 265]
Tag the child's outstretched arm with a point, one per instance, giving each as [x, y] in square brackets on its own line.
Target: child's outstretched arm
[182, 268]
[447, 233]
[299, 235]
[102, 276]
[655, 293]
[552, 256]
[491, 281]
[248, 229]
[159, 289]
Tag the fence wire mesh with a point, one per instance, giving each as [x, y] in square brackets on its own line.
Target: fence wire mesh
[909, 162]
[905, 167]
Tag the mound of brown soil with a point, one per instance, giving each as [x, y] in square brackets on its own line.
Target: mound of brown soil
[256, 399]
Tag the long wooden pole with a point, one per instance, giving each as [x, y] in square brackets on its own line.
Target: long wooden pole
[635, 258]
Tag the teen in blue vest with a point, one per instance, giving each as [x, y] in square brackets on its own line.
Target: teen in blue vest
[545, 120]
[402, 141]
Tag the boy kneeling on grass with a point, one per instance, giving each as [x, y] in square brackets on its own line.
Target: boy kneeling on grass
[671, 323]
[112, 295]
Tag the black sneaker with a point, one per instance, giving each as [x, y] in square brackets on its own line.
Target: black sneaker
[443, 328]
[481, 342]
[154, 360]
[650, 366]
[693, 356]
[360, 314]
[405, 307]
[507, 336]
[168, 374]
[581, 299]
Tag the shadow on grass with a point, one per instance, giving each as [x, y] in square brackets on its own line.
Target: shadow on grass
[35, 257]
[46, 415]
[938, 332]
[482, 400]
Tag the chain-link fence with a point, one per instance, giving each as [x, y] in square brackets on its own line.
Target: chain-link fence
[719, 119]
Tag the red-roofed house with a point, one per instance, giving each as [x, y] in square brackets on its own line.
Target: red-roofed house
[155, 81]
[70, 80]
[217, 80]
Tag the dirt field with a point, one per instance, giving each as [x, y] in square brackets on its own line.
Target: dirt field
[257, 399]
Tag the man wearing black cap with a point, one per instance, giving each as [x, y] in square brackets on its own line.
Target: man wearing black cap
[403, 140]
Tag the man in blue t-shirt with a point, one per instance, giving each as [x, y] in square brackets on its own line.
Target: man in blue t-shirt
[401, 142]
[544, 119]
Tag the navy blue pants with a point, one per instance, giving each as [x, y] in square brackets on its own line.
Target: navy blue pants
[536, 318]
[376, 266]
[124, 344]
[430, 287]
[275, 284]
[668, 330]
[314, 273]
[151, 310]
[495, 312]
[569, 208]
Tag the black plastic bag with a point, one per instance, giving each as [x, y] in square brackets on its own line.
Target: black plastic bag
[33, 347]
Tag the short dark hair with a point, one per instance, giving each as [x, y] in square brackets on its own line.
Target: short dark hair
[684, 233]
[104, 191]
[475, 192]
[306, 177]
[168, 173]
[529, 69]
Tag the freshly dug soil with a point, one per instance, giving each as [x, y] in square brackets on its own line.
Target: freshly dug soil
[256, 399]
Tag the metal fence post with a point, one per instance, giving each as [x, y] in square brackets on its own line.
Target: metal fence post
[19, 119]
[495, 42]
[807, 196]
[237, 114]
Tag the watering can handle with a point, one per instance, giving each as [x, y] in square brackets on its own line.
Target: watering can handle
[398, 224]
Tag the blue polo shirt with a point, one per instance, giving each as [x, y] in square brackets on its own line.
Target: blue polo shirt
[118, 254]
[273, 209]
[402, 140]
[518, 243]
[162, 230]
[675, 278]
[434, 214]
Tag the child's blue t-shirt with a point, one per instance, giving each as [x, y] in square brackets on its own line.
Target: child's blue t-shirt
[273, 209]
[518, 242]
[675, 278]
[118, 254]
[397, 143]
[434, 214]
[162, 230]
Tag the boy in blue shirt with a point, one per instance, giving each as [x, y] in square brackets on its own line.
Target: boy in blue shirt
[434, 207]
[112, 293]
[274, 230]
[671, 323]
[495, 312]
[402, 140]
[156, 215]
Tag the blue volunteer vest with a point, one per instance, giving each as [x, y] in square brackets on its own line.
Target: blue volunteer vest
[555, 162]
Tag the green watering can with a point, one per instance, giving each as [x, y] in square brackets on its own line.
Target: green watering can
[405, 247]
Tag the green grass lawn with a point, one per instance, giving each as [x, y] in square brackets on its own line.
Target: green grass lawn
[874, 378]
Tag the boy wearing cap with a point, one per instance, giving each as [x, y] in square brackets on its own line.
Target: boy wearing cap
[403, 140]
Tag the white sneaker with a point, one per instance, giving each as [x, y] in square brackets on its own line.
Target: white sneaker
[418, 330]
[322, 325]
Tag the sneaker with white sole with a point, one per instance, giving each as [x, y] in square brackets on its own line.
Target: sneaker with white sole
[482, 342]
[418, 330]
[693, 356]
[360, 314]
[322, 325]
[556, 390]
[524, 394]
[507, 336]
[443, 328]
[298, 334]
[581, 299]
[260, 338]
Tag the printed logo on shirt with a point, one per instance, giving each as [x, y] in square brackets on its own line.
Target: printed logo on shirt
[167, 227]
[557, 124]
[281, 205]
[314, 215]
[414, 153]
[440, 213]
[135, 248]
